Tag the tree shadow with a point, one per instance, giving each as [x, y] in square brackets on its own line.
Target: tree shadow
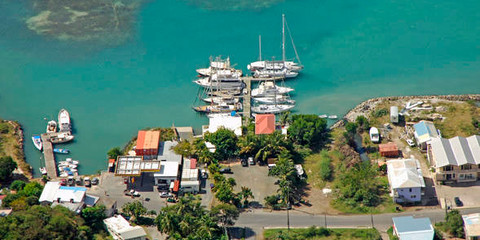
[240, 232]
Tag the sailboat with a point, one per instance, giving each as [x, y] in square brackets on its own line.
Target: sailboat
[216, 65]
[277, 108]
[274, 99]
[287, 69]
[218, 100]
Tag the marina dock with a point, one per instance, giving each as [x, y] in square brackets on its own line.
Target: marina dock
[247, 113]
[49, 156]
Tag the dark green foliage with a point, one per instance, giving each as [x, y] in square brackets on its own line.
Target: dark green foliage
[350, 131]
[359, 186]
[187, 219]
[308, 130]
[362, 123]
[17, 185]
[476, 123]
[272, 201]
[30, 194]
[289, 183]
[114, 153]
[7, 165]
[454, 224]
[224, 190]
[225, 214]
[225, 142]
[380, 113]
[184, 148]
[32, 189]
[326, 170]
[316, 232]
[43, 222]
[134, 209]
[94, 216]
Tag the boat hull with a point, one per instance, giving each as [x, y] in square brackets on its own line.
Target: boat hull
[272, 108]
[37, 142]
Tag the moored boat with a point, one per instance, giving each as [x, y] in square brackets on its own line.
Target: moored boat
[277, 108]
[37, 142]
[274, 99]
[221, 108]
[268, 89]
[43, 170]
[323, 116]
[61, 137]
[61, 150]
[219, 100]
[51, 126]
[271, 73]
[332, 117]
[64, 121]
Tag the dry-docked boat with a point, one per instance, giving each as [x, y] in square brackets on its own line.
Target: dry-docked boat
[37, 142]
[269, 89]
[64, 121]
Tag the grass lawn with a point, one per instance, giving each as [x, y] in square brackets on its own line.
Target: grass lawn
[321, 234]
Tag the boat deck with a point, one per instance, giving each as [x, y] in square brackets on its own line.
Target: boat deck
[49, 156]
[260, 79]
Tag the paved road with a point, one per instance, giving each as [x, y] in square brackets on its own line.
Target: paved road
[257, 220]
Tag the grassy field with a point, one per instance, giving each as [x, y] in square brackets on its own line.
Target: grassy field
[458, 119]
[313, 233]
[10, 146]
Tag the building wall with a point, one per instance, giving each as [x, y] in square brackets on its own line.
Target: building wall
[464, 173]
[167, 180]
[407, 195]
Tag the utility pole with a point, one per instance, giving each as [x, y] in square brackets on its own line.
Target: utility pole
[325, 219]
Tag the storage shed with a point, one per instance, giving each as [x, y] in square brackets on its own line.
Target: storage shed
[394, 114]
[388, 150]
[147, 143]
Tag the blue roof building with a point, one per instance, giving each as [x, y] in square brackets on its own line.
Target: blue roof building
[424, 133]
[409, 228]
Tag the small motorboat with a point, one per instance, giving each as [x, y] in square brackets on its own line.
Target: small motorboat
[61, 150]
[51, 126]
[37, 142]
[43, 170]
[64, 174]
[332, 117]
[323, 116]
[374, 135]
[71, 161]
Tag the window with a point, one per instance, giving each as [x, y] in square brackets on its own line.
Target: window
[447, 168]
[413, 196]
[410, 190]
[466, 167]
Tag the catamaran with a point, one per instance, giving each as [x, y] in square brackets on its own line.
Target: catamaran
[269, 89]
[37, 142]
[264, 68]
[64, 121]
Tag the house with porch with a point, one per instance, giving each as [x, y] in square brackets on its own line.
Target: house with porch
[406, 180]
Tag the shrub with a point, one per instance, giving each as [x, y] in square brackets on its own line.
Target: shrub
[380, 113]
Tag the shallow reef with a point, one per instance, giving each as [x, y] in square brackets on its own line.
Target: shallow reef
[83, 20]
[234, 5]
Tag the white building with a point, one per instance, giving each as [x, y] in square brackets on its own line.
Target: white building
[168, 173]
[472, 226]
[217, 121]
[166, 153]
[409, 228]
[406, 180]
[120, 229]
[73, 198]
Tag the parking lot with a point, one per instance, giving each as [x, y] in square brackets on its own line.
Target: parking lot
[256, 178]
[469, 194]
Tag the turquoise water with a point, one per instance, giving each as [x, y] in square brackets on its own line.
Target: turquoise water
[351, 51]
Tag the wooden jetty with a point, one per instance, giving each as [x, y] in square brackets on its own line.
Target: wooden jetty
[49, 156]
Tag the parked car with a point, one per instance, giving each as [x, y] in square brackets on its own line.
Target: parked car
[71, 181]
[166, 195]
[204, 173]
[410, 142]
[226, 170]
[131, 193]
[87, 182]
[251, 161]
[125, 180]
[244, 163]
[458, 202]
[95, 181]
[63, 182]
[79, 181]
[171, 200]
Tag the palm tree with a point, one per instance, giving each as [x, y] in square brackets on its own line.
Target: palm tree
[245, 194]
[284, 118]
[273, 145]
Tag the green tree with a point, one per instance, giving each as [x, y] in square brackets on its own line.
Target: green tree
[362, 123]
[308, 130]
[7, 165]
[184, 148]
[17, 185]
[224, 190]
[114, 153]
[289, 183]
[134, 209]
[225, 214]
[454, 223]
[271, 146]
[245, 194]
[32, 189]
[249, 145]
[225, 142]
[94, 216]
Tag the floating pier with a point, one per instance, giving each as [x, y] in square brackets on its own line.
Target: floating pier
[49, 156]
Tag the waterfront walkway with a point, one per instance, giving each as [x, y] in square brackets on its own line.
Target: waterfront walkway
[49, 156]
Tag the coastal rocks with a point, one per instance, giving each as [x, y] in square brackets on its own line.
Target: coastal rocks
[84, 20]
[234, 5]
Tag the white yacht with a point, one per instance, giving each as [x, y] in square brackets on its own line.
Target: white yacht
[219, 100]
[274, 99]
[277, 108]
[217, 65]
[269, 89]
[271, 73]
[51, 126]
[222, 80]
[64, 121]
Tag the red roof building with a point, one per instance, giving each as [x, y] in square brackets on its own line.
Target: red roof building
[264, 124]
[147, 143]
[388, 150]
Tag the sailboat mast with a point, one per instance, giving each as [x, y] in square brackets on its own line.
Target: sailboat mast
[283, 37]
[260, 47]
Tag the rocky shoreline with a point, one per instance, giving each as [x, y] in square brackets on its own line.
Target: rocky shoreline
[19, 155]
[369, 104]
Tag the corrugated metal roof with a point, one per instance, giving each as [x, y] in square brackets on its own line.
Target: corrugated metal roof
[456, 151]
[425, 131]
[409, 224]
[405, 173]
[152, 138]
[140, 139]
